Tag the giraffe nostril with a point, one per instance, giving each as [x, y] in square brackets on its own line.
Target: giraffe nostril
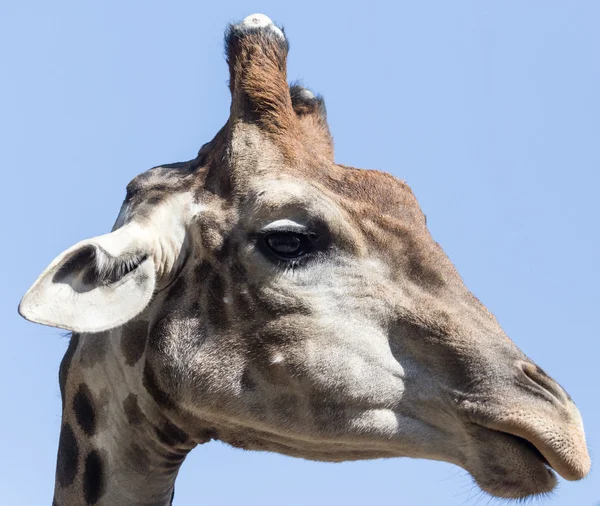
[541, 380]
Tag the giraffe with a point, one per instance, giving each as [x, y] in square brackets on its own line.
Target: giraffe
[265, 296]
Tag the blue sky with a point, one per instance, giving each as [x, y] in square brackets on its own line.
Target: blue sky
[489, 110]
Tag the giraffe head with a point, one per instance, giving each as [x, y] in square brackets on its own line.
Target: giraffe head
[265, 296]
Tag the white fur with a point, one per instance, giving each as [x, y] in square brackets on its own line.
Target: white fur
[74, 305]
[71, 305]
[307, 94]
[261, 21]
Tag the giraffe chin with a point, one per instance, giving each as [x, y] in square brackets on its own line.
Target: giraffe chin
[509, 467]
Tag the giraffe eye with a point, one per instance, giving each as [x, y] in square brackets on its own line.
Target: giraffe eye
[288, 244]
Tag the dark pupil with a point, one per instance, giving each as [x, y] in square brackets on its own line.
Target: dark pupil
[285, 244]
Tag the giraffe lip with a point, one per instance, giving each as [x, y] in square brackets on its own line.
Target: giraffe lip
[533, 449]
[510, 466]
[571, 467]
[548, 433]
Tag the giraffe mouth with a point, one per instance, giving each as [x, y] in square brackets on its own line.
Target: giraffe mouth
[510, 466]
[517, 457]
[550, 448]
[527, 444]
[532, 449]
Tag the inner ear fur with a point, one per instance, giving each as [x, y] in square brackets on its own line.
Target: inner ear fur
[95, 266]
[96, 285]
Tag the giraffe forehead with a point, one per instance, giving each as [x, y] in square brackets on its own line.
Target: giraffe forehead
[286, 193]
[159, 183]
[374, 193]
[371, 191]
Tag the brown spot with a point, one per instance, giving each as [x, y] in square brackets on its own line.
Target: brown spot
[94, 348]
[132, 410]
[94, 482]
[161, 397]
[133, 341]
[68, 457]
[85, 413]
[177, 290]
[138, 458]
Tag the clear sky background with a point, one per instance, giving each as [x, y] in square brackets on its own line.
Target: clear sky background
[489, 110]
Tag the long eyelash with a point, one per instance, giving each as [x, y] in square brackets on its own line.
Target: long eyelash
[290, 265]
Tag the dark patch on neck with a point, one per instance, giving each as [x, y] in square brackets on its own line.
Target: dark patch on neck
[132, 410]
[94, 348]
[202, 272]
[161, 397]
[171, 435]
[65, 364]
[177, 290]
[68, 457]
[138, 458]
[133, 341]
[85, 412]
[94, 484]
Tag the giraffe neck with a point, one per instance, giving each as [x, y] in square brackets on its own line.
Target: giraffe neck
[116, 445]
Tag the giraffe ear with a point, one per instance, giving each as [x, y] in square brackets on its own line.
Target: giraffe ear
[96, 285]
